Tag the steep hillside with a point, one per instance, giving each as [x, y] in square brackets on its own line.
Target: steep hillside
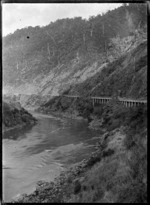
[127, 77]
[50, 59]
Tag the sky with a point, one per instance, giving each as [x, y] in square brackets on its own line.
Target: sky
[17, 16]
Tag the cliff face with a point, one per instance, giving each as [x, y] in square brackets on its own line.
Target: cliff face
[63, 55]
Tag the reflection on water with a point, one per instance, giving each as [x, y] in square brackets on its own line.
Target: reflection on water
[40, 152]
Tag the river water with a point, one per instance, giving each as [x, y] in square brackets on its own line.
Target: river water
[42, 151]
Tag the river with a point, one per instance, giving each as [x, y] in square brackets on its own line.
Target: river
[42, 151]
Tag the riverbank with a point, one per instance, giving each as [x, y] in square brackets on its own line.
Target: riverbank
[114, 173]
[14, 117]
[5, 130]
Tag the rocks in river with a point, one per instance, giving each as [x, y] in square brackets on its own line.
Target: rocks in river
[42, 183]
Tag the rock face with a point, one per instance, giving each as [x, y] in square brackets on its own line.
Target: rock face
[67, 52]
[14, 115]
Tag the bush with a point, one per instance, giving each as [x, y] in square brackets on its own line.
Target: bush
[94, 159]
[107, 153]
[84, 107]
[135, 192]
[98, 110]
[77, 187]
[129, 141]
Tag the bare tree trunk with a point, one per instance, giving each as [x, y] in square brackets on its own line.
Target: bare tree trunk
[51, 37]
[48, 50]
[77, 56]
[84, 38]
[91, 32]
[17, 66]
[103, 29]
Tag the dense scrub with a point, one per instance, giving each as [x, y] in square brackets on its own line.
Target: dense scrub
[114, 115]
[14, 115]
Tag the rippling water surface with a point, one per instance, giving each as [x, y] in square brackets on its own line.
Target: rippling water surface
[42, 151]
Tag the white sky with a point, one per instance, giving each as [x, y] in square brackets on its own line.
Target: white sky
[17, 16]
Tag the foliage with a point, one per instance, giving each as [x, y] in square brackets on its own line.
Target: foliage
[84, 107]
[13, 116]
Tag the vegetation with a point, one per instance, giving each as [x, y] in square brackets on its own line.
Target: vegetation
[116, 177]
[35, 50]
[118, 171]
[126, 75]
[14, 115]
[115, 173]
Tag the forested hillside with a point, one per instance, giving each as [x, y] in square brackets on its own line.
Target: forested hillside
[53, 58]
